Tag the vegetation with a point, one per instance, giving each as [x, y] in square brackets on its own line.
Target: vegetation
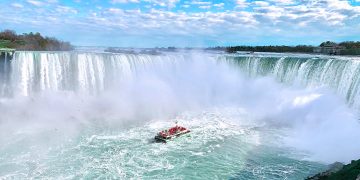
[350, 171]
[350, 44]
[351, 48]
[350, 51]
[299, 48]
[32, 41]
[328, 43]
[344, 48]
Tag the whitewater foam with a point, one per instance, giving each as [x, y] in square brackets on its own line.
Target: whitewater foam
[87, 115]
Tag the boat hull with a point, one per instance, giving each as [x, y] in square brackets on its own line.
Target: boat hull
[160, 138]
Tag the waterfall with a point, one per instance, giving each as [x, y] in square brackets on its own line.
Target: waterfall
[341, 74]
[61, 96]
[79, 72]
[92, 73]
[5, 71]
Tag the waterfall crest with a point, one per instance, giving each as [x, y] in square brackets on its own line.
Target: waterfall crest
[339, 74]
[90, 73]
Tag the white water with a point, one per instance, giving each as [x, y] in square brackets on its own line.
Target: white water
[340, 74]
[96, 104]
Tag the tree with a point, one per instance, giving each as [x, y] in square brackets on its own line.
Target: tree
[328, 43]
[32, 41]
[8, 35]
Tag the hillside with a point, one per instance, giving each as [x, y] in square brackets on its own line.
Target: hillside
[32, 41]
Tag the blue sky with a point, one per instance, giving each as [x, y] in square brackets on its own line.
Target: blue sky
[162, 23]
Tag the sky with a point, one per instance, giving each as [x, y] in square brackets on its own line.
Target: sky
[185, 23]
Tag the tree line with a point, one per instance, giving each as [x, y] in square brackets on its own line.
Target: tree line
[299, 48]
[347, 48]
[32, 42]
[345, 44]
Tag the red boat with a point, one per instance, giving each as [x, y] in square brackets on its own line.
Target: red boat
[176, 131]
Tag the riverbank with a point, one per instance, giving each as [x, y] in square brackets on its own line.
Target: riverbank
[339, 171]
[327, 48]
[32, 42]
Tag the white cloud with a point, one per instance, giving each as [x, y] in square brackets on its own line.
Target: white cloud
[219, 5]
[273, 17]
[35, 3]
[124, 1]
[115, 11]
[66, 9]
[276, 13]
[185, 6]
[17, 5]
[261, 3]
[164, 3]
[196, 2]
[283, 2]
[313, 13]
[241, 4]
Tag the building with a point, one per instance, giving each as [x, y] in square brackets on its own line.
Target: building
[330, 49]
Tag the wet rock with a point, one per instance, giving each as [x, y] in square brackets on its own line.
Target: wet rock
[340, 171]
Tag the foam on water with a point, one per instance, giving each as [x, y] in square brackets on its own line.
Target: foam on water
[216, 148]
[341, 74]
[88, 115]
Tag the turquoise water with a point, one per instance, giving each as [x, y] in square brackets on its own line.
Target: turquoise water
[85, 115]
[216, 148]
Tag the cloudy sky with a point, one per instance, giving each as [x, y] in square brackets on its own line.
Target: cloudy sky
[150, 23]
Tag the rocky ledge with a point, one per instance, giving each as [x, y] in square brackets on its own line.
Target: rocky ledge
[339, 171]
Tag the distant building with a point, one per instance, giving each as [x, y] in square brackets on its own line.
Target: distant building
[331, 49]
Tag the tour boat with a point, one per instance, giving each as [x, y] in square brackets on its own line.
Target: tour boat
[171, 133]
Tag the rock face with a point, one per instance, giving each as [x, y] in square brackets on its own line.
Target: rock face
[333, 168]
[338, 171]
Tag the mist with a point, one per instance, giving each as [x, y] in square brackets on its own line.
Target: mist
[315, 120]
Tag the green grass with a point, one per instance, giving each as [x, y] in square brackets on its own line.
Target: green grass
[5, 43]
[10, 44]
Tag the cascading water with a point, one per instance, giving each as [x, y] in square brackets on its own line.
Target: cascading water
[338, 73]
[5, 71]
[79, 72]
[85, 115]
